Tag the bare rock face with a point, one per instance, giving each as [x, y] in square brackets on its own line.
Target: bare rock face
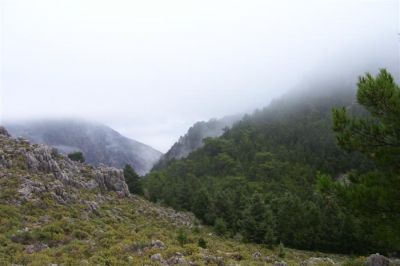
[63, 175]
[377, 260]
[110, 178]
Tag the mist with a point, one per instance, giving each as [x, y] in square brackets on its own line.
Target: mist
[151, 69]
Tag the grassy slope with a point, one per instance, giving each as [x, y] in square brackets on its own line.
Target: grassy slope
[110, 236]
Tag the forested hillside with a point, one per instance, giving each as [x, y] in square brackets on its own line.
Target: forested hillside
[262, 181]
[193, 139]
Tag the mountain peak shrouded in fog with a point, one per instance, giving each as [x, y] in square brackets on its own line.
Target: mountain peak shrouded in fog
[151, 69]
[99, 144]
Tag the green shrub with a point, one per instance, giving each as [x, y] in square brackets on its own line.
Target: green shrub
[79, 234]
[281, 250]
[182, 237]
[220, 227]
[202, 243]
[77, 156]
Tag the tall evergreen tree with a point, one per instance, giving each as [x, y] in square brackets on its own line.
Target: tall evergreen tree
[258, 223]
[374, 195]
[132, 179]
[378, 135]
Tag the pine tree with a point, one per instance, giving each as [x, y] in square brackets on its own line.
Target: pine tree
[374, 196]
[258, 223]
[132, 179]
[378, 135]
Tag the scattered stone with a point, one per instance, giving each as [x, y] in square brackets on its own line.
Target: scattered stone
[156, 257]
[177, 259]
[280, 263]
[377, 260]
[34, 248]
[157, 244]
[257, 255]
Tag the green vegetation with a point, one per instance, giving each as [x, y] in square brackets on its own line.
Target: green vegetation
[118, 233]
[374, 196]
[269, 178]
[132, 179]
[77, 156]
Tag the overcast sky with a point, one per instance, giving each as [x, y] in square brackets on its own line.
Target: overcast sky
[150, 69]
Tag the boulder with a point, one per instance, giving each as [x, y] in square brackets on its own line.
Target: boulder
[176, 259]
[257, 255]
[280, 263]
[377, 260]
[157, 244]
[156, 257]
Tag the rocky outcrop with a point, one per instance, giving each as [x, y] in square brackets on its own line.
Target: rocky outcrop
[62, 173]
[110, 178]
[377, 260]
[4, 132]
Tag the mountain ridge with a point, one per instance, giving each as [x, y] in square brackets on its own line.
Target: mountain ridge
[99, 143]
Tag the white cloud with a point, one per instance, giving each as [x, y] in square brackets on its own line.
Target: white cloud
[152, 68]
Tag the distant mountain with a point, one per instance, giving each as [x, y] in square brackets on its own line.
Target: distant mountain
[193, 139]
[100, 144]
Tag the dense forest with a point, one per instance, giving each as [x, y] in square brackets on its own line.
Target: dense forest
[295, 174]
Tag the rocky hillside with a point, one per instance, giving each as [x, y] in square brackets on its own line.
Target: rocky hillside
[100, 144]
[54, 211]
[193, 139]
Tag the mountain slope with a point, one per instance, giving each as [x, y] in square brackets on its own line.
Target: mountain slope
[193, 139]
[99, 143]
[57, 211]
[260, 178]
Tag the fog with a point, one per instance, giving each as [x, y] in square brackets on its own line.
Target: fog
[150, 69]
